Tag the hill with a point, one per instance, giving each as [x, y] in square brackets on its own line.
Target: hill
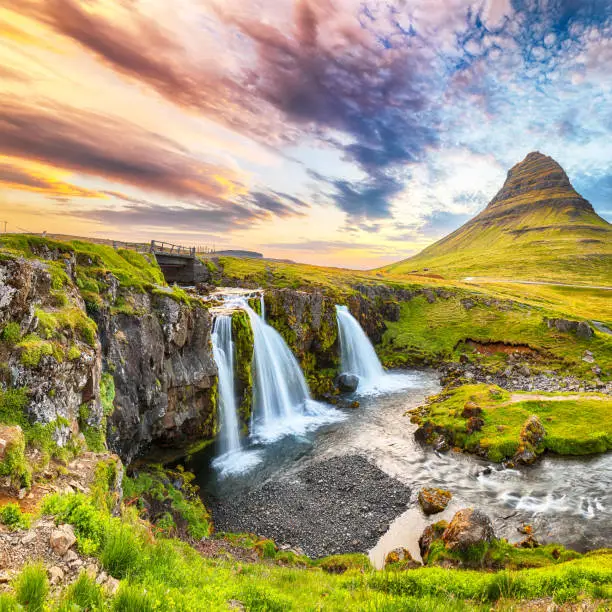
[537, 228]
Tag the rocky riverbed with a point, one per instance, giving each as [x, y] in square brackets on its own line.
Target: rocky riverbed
[342, 504]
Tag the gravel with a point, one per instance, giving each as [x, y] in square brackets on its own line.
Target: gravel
[339, 505]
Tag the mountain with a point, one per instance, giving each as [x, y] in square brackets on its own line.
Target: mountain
[537, 227]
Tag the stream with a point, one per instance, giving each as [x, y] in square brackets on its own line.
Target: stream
[566, 500]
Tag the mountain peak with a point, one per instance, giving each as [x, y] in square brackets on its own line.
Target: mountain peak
[536, 181]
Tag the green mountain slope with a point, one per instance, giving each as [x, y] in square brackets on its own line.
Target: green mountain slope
[536, 228]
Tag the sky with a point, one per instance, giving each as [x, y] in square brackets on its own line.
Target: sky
[337, 132]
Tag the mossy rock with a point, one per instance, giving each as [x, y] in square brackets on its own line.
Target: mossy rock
[12, 456]
[434, 500]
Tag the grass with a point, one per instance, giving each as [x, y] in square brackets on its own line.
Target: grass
[433, 332]
[154, 492]
[32, 587]
[83, 593]
[12, 516]
[160, 573]
[573, 426]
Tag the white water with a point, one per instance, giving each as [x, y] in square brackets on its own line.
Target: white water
[281, 399]
[223, 353]
[359, 358]
[262, 305]
[233, 459]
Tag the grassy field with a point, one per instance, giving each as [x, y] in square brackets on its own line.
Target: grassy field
[575, 424]
[157, 572]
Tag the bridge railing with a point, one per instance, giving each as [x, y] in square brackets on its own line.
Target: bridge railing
[172, 249]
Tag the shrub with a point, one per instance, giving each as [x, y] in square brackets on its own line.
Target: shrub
[132, 598]
[32, 587]
[85, 593]
[11, 333]
[121, 550]
[13, 518]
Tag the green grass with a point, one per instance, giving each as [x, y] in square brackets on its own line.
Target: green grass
[83, 593]
[183, 505]
[573, 426]
[167, 574]
[430, 333]
[32, 587]
[12, 516]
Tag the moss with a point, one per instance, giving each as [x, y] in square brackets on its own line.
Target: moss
[242, 335]
[573, 426]
[73, 353]
[159, 492]
[52, 324]
[107, 393]
[11, 333]
[14, 463]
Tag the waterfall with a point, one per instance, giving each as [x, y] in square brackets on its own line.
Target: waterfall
[262, 306]
[281, 399]
[358, 357]
[232, 458]
[357, 353]
[223, 353]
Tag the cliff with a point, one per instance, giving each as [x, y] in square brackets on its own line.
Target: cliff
[98, 347]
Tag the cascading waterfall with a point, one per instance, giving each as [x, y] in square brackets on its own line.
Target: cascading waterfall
[358, 357]
[233, 458]
[262, 306]
[357, 353]
[223, 353]
[282, 403]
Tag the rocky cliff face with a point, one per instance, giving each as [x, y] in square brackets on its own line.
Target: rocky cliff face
[163, 371]
[59, 367]
[152, 343]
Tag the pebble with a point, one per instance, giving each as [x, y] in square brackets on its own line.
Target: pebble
[327, 492]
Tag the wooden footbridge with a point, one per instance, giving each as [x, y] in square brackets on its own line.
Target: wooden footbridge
[179, 264]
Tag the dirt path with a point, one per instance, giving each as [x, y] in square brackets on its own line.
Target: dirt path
[525, 397]
[484, 279]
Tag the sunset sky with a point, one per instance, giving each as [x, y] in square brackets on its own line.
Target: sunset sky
[337, 132]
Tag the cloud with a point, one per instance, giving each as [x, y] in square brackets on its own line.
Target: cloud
[16, 177]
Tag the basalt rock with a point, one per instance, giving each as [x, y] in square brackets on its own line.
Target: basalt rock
[581, 329]
[347, 383]
[163, 371]
[468, 527]
[434, 500]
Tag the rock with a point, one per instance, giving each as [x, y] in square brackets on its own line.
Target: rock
[528, 542]
[441, 444]
[434, 500]
[354, 404]
[56, 575]
[29, 537]
[467, 303]
[401, 557]
[112, 585]
[580, 329]
[347, 383]
[5, 577]
[474, 424]
[431, 533]
[588, 358]
[102, 576]
[92, 570]
[70, 557]
[471, 409]
[533, 431]
[468, 528]
[524, 370]
[62, 538]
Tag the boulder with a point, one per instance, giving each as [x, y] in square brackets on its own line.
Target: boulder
[401, 558]
[474, 424]
[434, 500]
[581, 329]
[471, 409]
[431, 533]
[533, 431]
[347, 383]
[62, 538]
[469, 527]
[440, 444]
[56, 575]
